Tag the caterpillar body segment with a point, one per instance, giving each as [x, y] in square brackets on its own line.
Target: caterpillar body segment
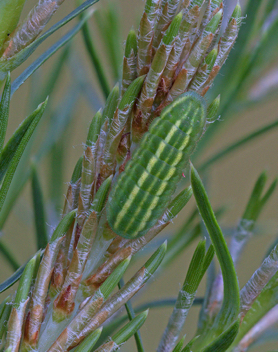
[147, 182]
[144, 189]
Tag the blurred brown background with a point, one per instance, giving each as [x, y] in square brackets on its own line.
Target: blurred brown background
[230, 181]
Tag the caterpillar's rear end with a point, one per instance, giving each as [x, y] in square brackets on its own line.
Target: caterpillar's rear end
[143, 191]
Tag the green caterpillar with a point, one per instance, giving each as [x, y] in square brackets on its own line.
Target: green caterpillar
[142, 192]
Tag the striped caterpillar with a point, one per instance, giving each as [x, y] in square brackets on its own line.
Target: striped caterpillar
[144, 189]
